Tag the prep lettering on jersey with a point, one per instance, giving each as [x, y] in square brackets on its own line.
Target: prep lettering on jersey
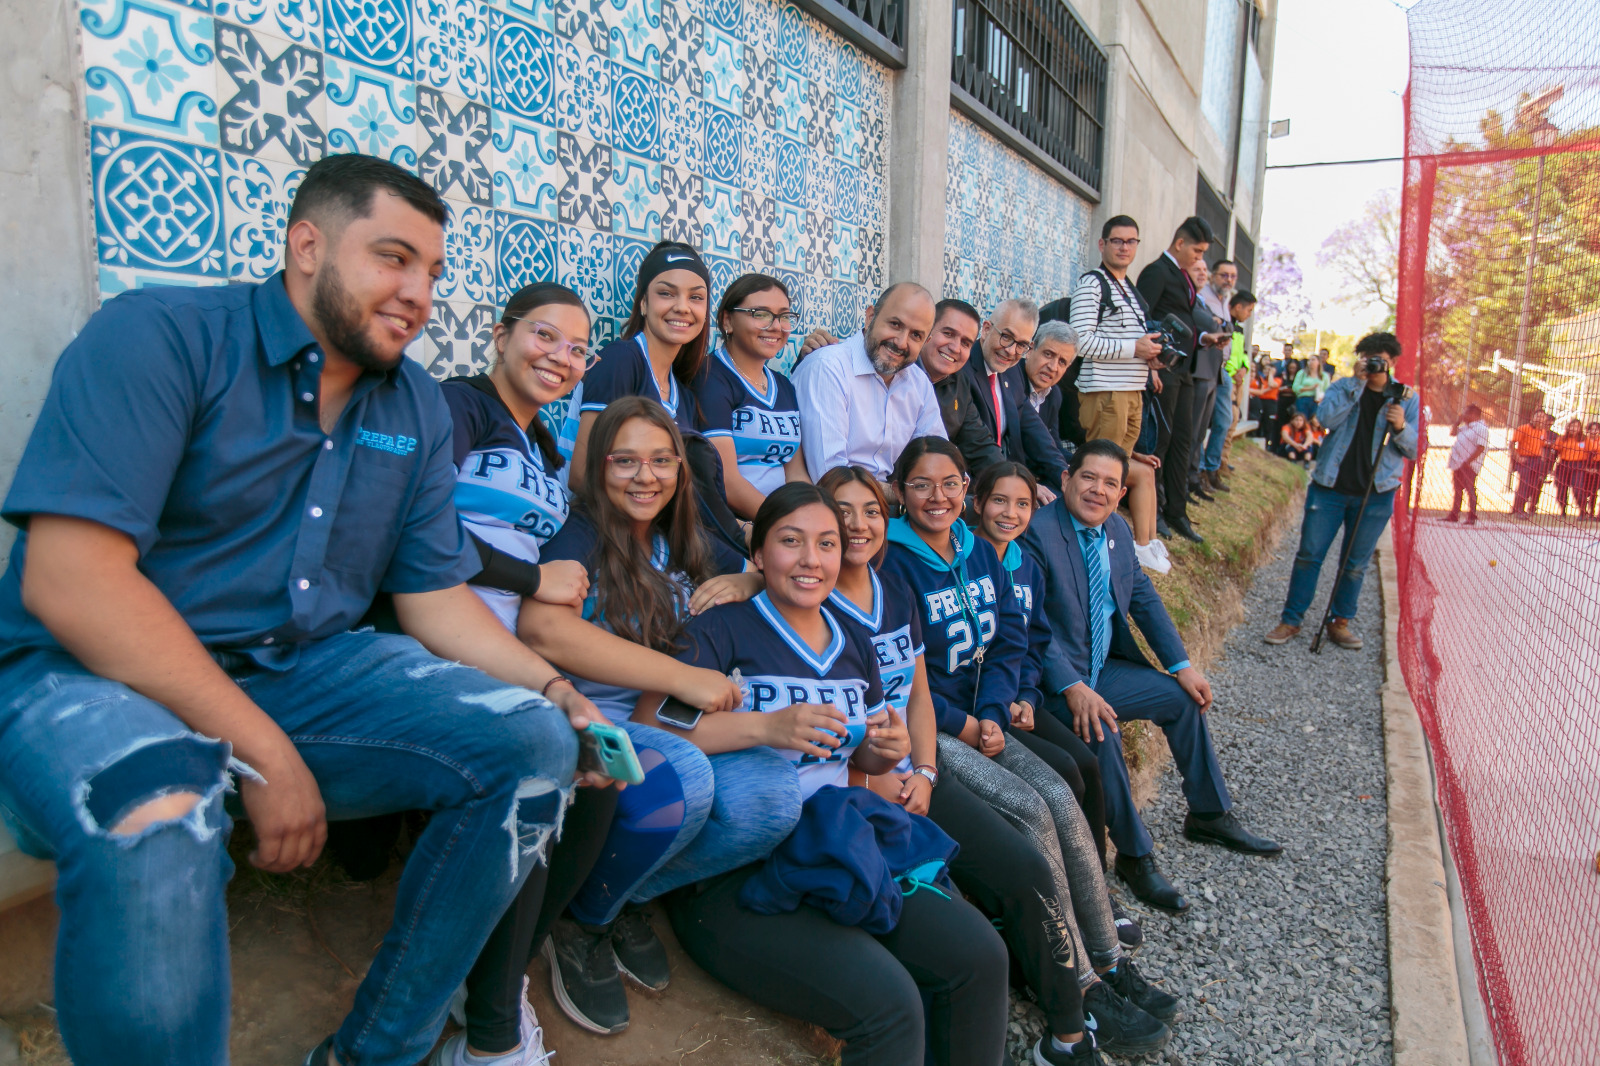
[945, 603]
[1024, 594]
[782, 424]
[897, 664]
[773, 693]
[505, 487]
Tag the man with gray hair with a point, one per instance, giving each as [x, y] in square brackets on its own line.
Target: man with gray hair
[1055, 347]
[1004, 339]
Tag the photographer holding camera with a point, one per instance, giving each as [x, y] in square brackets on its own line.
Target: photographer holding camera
[1371, 421]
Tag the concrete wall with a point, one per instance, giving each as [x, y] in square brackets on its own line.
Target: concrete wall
[1158, 139]
[46, 269]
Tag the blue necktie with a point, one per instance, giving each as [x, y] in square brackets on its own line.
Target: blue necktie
[1099, 599]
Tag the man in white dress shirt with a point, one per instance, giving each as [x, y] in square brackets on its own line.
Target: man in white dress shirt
[863, 398]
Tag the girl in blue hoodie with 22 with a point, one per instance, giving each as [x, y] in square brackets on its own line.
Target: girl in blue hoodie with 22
[976, 639]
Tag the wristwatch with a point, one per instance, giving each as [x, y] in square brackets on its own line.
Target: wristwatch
[928, 772]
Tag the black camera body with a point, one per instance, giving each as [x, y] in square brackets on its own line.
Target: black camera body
[1176, 336]
[1377, 364]
[1394, 391]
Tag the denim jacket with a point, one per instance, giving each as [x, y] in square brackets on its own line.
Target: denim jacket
[1339, 412]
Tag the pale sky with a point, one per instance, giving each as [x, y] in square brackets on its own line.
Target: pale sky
[1339, 71]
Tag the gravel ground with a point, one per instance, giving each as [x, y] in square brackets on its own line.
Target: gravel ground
[1279, 960]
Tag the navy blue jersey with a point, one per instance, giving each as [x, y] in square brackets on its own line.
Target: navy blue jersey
[1027, 584]
[975, 634]
[623, 370]
[504, 492]
[579, 540]
[779, 669]
[763, 425]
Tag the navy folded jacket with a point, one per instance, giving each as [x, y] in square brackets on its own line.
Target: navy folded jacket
[848, 856]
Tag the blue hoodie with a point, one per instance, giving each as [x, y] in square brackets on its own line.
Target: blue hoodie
[972, 592]
[1027, 583]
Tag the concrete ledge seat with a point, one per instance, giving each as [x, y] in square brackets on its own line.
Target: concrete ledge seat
[22, 877]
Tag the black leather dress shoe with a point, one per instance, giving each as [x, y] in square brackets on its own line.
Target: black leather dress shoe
[1161, 528]
[1150, 884]
[1229, 833]
[1199, 491]
[1181, 526]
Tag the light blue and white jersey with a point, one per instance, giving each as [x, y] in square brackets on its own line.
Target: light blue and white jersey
[896, 633]
[505, 493]
[779, 669]
[764, 425]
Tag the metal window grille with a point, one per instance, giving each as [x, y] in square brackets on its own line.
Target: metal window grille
[877, 26]
[1034, 75]
[1244, 257]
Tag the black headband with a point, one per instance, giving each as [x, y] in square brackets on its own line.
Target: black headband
[664, 257]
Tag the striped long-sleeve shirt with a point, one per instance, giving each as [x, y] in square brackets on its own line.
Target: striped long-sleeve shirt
[1106, 346]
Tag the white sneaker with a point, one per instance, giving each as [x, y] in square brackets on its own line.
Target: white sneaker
[1161, 548]
[1151, 558]
[453, 1052]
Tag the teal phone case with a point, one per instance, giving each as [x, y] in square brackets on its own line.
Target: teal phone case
[608, 749]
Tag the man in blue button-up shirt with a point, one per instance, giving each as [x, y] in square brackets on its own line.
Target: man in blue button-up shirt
[219, 483]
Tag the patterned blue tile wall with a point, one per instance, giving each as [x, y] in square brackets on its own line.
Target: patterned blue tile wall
[567, 135]
[1011, 230]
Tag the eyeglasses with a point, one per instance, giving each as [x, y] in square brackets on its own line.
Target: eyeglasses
[547, 340]
[950, 487]
[627, 466]
[785, 320]
[1011, 340]
[1123, 242]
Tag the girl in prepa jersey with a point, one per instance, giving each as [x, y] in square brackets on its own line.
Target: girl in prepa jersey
[636, 532]
[997, 867]
[815, 694]
[976, 639]
[748, 409]
[1005, 497]
[660, 352]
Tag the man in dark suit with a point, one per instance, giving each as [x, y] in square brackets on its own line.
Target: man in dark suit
[1094, 587]
[1039, 376]
[944, 354]
[1167, 288]
[1010, 419]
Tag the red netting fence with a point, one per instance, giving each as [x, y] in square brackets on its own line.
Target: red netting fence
[1500, 619]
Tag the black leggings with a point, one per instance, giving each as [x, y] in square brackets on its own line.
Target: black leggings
[865, 990]
[1001, 871]
[1055, 742]
[494, 986]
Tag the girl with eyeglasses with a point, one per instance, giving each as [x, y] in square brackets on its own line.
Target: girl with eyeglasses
[976, 638]
[747, 409]
[998, 867]
[816, 694]
[511, 502]
[660, 352]
[636, 533]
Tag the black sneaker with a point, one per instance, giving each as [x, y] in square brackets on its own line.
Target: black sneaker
[1129, 935]
[584, 977]
[1131, 986]
[1084, 1053]
[1123, 1028]
[640, 953]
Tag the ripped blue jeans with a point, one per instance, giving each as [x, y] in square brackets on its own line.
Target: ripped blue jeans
[142, 971]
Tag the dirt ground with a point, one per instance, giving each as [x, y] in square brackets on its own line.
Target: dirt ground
[301, 942]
